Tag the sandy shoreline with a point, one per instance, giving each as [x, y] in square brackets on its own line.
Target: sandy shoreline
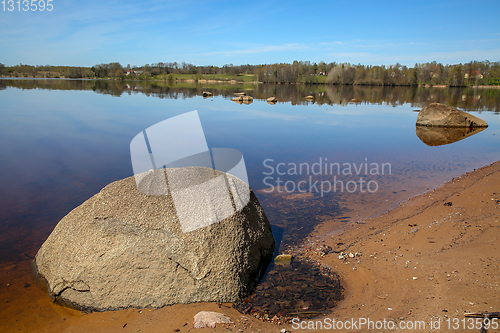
[422, 260]
[435, 256]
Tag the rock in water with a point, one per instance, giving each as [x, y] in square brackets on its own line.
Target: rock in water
[122, 248]
[283, 257]
[209, 318]
[247, 99]
[243, 99]
[440, 115]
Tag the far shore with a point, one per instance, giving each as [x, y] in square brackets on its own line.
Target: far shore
[237, 81]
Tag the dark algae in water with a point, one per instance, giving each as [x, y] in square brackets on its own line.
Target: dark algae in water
[299, 288]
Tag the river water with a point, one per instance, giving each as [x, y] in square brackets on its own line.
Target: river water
[61, 141]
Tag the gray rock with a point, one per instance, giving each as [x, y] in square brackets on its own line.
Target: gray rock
[209, 319]
[247, 99]
[243, 99]
[440, 115]
[122, 248]
[207, 94]
[272, 100]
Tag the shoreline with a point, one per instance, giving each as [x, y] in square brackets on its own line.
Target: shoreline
[233, 81]
[452, 247]
[430, 258]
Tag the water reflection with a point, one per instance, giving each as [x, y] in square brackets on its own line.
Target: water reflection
[465, 98]
[438, 136]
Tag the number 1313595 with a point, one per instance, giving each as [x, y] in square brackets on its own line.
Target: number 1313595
[27, 5]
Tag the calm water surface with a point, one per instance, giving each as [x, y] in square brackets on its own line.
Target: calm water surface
[62, 141]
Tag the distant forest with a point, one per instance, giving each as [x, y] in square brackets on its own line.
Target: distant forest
[434, 74]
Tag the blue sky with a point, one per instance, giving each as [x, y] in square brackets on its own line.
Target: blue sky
[84, 33]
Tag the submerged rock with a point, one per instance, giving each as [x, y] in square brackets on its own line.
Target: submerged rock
[440, 115]
[122, 248]
[283, 258]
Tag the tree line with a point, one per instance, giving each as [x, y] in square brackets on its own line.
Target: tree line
[431, 73]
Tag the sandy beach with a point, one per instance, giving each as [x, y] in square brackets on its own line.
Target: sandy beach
[433, 257]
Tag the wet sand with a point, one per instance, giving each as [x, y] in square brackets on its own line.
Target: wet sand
[434, 256]
[422, 260]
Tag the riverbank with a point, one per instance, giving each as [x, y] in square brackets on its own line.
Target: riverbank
[434, 257]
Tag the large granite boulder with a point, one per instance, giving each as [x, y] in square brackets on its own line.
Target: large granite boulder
[122, 248]
[440, 115]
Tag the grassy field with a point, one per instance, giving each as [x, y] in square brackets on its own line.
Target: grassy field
[321, 79]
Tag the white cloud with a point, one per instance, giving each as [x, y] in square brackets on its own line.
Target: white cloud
[334, 43]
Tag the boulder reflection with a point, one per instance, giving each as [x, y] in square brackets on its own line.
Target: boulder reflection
[438, 136]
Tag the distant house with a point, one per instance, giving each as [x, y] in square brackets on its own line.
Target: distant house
[131, 71]
[476, 74]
